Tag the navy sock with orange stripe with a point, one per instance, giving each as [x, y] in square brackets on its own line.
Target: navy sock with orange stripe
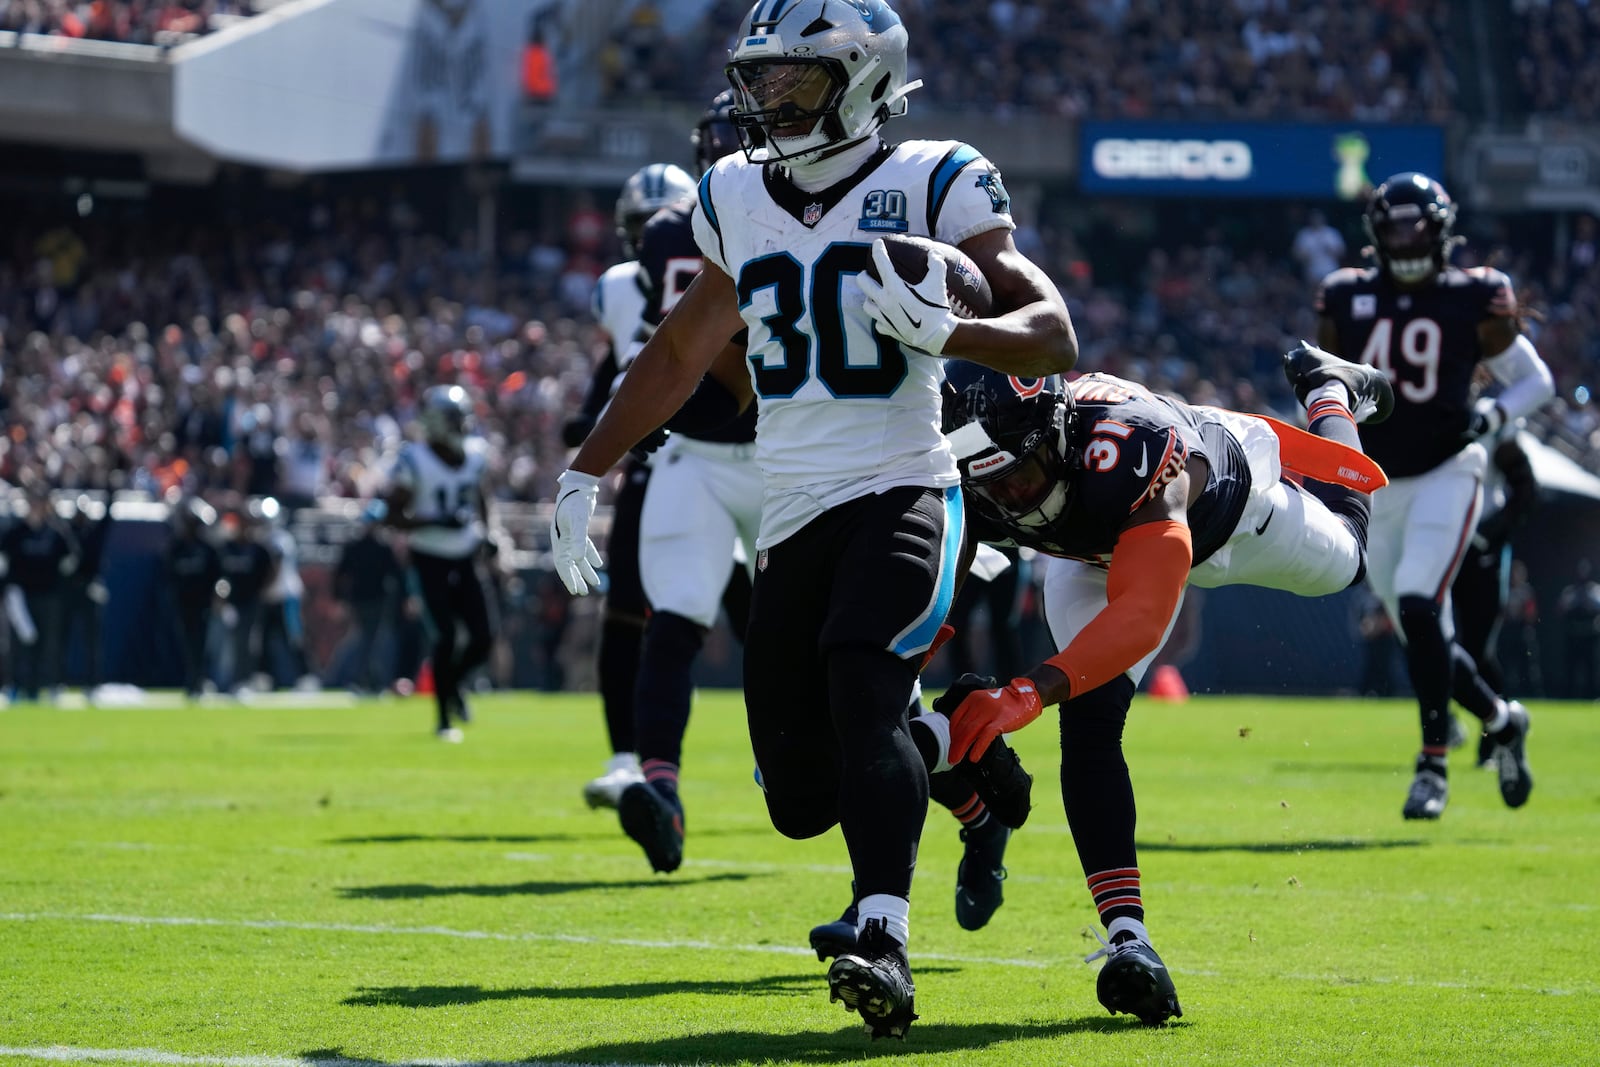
[1328, 415]
[1428, 656]
[1116, 895]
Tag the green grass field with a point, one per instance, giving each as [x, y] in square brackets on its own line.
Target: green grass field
[252, 888]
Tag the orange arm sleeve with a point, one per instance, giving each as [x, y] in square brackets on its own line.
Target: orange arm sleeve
[1149, 568]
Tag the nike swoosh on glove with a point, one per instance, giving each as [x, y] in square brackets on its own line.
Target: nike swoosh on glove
[574, 554]
[986, 714]
[916, 315]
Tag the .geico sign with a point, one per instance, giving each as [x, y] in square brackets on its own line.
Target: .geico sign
[1189, 160]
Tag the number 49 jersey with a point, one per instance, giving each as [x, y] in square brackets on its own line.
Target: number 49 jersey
[1426, 340]
[845, 411]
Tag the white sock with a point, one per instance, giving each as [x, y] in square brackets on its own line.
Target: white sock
[940, 727]
[895, 912]
[1132, 926]
[1502, 716]
[1330, 391]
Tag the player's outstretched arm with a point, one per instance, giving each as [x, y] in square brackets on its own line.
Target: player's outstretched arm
[1149, 568]
[1031, 334]
[666, 370]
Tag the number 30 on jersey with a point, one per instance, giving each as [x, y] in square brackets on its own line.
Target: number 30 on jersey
[845, 353]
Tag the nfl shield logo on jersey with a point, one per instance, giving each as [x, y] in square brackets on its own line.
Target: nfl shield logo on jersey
[812, 214]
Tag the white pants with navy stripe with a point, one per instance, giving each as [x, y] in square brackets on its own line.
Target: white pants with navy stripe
[1285, 539]
[702, 504]
[1420, 530]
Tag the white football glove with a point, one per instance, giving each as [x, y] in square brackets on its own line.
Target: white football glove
[915, 315]
[574, 554]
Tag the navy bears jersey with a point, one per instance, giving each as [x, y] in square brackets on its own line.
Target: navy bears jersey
[669, 259]
[1426, 340]
[1133, 444]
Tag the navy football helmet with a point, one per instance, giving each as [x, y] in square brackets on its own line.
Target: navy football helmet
[646, 192]
[1410, 219]
[714, 135]
[811, 77]
[1013, 442]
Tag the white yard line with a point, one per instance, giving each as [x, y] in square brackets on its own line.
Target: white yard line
[1331, 979]
[69, 1054]
[473, 935]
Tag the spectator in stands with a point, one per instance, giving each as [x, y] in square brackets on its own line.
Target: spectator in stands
[84, 593]
[368, 580]
[246, 569]
[193, 569]
[1519, 638]
[1579, 608]
[39, 555]
[283, 656]
[1318, 248]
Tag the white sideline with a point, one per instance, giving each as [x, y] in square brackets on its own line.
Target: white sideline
[68, 1054]
[469, 935]
[780, 950]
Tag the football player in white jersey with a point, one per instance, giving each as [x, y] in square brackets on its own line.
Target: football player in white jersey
[436, 495]
[861, 517]
[619, 305]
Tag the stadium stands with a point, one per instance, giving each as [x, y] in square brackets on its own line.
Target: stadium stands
[129, 21]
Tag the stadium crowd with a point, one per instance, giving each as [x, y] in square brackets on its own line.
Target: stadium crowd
[129, 21]
[1558, 61]
[288, 362]
[1283, 59]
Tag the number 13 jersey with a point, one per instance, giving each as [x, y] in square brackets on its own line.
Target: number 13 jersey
[845, 411]
[1426, 340]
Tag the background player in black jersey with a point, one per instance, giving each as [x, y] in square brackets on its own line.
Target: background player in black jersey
[1427, 325]
[620, 306]
[1137, 496]
[1510, 493]
[701, 506]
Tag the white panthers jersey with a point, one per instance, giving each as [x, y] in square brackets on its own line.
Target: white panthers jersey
[442, 492]
[619, 305]
[844, 410]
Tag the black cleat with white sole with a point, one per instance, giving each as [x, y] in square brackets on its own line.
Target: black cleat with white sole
[654, 818]
[982, 870]
[1135, 982]
[1371, 395]
[1510, 757]
[835, 938]
[874, 980]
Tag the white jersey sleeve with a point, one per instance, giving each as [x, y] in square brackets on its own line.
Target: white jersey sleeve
[708, 226]
[619, 305]
[965, 194]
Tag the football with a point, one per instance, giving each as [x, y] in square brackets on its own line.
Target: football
[970, 297]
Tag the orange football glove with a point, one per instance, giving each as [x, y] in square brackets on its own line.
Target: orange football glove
[988, 713]
[946, 632]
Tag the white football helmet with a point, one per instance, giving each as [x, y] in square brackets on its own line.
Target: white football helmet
[446, 415]
[646, 192]
[811, 77]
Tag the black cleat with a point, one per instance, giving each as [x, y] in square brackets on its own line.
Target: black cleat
[835, 938]
[978, 878]
[653, 818]
[1371, 395]
[1485, 751]
[874, 978]
[1511, 758]
[1134, 981]
[1428, 796]
[1001, 783]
